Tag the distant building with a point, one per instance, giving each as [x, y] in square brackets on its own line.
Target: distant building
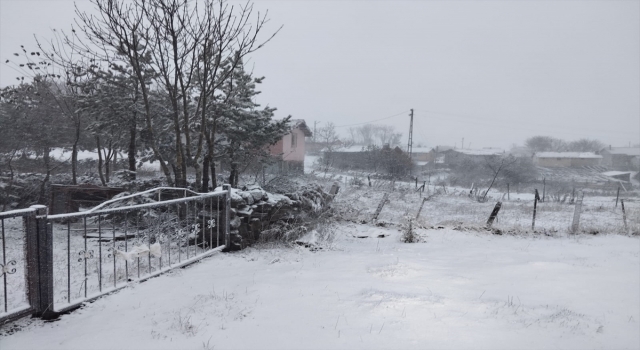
[423, 156]
[290, 149]
[457, 154]
[566, 159]
[347, 157]
[621, 158]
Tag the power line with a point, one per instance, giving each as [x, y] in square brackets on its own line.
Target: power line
[483, 120]
[373, 121]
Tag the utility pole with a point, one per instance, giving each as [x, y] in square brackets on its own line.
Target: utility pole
[410, 143]
[315, 122]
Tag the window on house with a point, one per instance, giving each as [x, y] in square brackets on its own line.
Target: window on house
[294, 140]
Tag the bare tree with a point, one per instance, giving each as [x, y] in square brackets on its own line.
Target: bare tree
[545, 144]
[328, 136]
[179, 47]
[585, 145]
[496, 164]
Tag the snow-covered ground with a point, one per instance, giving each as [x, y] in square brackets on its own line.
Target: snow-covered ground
[456, 290]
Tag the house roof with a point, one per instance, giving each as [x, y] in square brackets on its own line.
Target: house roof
[581, 155]
[479, 152]
[300, 124]
[629, 151]
[350, 149]
[415, 150]
[615, 173]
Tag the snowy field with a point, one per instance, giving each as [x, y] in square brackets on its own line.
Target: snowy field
[462, 287]
[455, 290]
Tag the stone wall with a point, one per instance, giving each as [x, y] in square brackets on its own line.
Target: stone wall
[255, 211]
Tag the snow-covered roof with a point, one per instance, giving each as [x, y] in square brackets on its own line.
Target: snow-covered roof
[302, 125]
[582, 155]
[479, 152]
[630, 151]
[350, 149]
[615, 173]
[415, 150]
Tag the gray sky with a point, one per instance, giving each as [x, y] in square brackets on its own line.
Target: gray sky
[493, 72]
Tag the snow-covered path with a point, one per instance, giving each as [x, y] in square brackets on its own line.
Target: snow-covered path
[457, 290]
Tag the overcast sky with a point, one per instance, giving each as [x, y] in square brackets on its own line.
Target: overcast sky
[491, 72]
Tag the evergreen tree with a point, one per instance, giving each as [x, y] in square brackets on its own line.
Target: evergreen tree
[245, 130]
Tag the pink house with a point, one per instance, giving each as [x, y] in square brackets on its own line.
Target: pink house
[290, 150]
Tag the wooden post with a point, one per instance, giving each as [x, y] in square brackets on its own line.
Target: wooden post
[416, 182]
[535, 208]
[544, 188]
[624, 215]
[494, 214]
[424, 184]
[617, 196]
[369, 178]
[385, 198]
[573, 194]
[421, 205]
[335, 188]
[508, 195]
[575, 225]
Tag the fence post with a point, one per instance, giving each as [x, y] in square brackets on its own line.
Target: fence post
[421, 205]
[227, 215]
[535, 208]
[494, 214]
[617, 196]
[31, 245]
[385, 198]
[576, 215]
[544, 188]
[624, 216]
[40, 263]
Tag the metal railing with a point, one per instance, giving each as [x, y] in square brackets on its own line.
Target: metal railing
[76, 257]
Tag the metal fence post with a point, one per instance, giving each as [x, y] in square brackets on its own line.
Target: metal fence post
[31, 245]
[227, 215]
[40, 263]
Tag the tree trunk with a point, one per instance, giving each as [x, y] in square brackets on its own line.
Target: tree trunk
[205, 175]
[233, 175]
[107, 163]
[74, 163]
[74, 155]
[46, 159]
[100, 173]
[180, 168]
[132, 150]
[235, 179]
[210, 139]
[214, 175]
[197, 167]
